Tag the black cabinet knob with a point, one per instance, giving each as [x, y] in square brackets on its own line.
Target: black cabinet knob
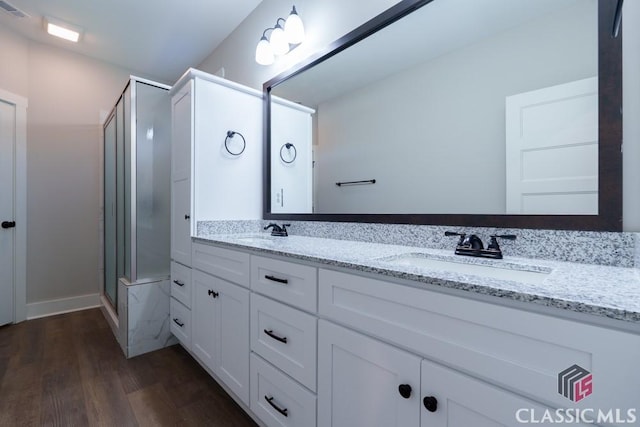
[431, 403]
[8, 224]
[404, 390]
[187, 217]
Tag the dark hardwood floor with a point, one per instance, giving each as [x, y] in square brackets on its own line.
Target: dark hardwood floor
[68, 370]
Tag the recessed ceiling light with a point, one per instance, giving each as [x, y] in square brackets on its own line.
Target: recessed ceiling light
[62, 29]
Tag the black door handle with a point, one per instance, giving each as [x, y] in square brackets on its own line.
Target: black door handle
[430, 403]
[8, 224]
[404, 390]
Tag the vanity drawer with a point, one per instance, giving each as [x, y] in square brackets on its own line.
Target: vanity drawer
[224, 263]
[285, 397]
[515, 349]
[181, 283]
[288, 282]
[180, 321]
[285, 337]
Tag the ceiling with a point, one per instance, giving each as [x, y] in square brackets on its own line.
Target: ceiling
[156, 39]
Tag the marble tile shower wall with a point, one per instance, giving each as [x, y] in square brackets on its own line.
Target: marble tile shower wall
[590, 247]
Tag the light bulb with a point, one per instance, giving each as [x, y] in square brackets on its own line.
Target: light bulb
[264, 53]
[278, 41]
[293, 28]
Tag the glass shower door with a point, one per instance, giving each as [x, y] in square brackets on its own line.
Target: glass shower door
[110, 277]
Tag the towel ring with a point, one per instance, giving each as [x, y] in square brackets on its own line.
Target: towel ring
[230, 135]
[288, 146]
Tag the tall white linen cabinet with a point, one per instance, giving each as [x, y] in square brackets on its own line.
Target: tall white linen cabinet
[216, 175]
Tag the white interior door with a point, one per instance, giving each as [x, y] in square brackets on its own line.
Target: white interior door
[552, 150]
[7, 213]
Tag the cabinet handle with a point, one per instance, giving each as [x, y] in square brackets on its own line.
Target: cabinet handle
[274, 336]
[187, 217]
[179, 283]
[177, 322]
[276, 279]
[431, 403]
[404, 390]
[212, 293]
[276, 407]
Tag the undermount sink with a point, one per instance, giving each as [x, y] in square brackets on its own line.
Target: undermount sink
[253, 239]
[511, 272]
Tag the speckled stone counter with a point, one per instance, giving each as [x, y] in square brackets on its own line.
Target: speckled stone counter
[605, 291]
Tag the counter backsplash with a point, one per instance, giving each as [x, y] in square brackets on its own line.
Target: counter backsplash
[590, 247]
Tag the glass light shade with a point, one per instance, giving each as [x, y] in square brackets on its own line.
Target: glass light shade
[293, 28]
[278, 41]
[264, 53]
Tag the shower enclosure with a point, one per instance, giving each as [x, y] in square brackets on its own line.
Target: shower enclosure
[137, 200]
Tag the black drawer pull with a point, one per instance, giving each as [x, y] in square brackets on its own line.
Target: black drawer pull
[212, 293]
[274, 406]
[274, 336]
[187, 217]
[179, 283]
[8, 224]
[177, 322]
[276, 279]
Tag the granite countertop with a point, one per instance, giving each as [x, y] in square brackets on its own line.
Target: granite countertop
[612, 292]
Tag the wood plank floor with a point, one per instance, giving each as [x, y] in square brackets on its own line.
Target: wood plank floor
[68, 370]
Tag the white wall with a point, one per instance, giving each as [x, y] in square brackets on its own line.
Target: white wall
[14, 60]
[67, 93]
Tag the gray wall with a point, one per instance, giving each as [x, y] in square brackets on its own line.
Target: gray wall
[327, 20]
[67, 95]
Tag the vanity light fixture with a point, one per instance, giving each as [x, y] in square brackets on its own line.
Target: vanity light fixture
[282, 40]
[62, 29]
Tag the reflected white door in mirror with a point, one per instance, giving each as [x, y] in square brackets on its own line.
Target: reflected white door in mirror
[552, 150]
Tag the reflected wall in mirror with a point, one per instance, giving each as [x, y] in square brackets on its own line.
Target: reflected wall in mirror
[461, 108]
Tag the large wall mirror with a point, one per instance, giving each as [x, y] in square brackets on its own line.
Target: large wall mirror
[499, 113]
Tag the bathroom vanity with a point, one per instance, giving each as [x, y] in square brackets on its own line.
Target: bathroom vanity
[309, 331]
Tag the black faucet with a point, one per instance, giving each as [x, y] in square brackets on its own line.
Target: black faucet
[277, 230]
[472, 245]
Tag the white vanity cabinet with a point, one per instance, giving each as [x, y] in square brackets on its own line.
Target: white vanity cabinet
[482, 362]
[364, 382]
[299, 345]
[220, 330]
[359, 380]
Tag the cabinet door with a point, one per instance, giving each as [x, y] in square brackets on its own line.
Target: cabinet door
[232, 334]
[181, 133]
[463, 401]
[359, 379]
[203, 318]
[180, 221]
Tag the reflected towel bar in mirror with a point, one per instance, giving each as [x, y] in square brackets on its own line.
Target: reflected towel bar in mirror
[366, 181]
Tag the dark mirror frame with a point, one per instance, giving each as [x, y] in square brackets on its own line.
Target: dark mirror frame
[609, 216]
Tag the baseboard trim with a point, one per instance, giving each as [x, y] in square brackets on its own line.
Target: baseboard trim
[52, 307]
